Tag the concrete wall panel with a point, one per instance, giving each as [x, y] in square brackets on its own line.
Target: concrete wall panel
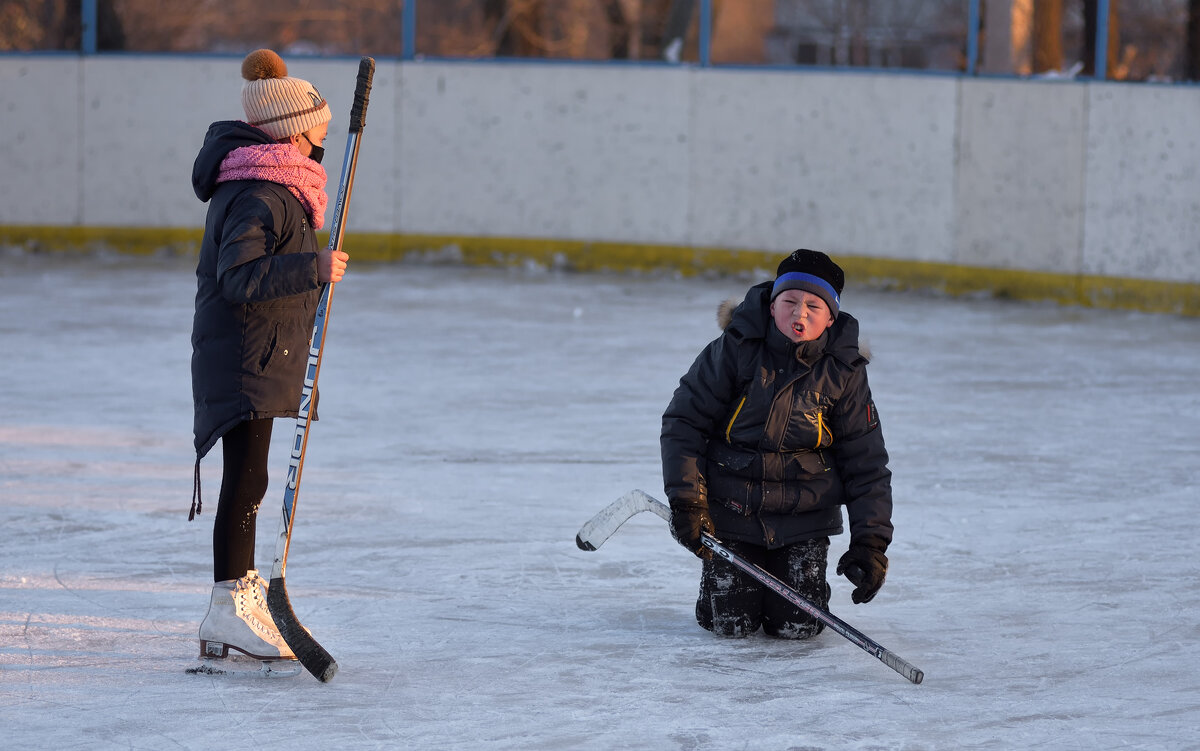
[849, 163]
[143, 122]
[1143, 183]
[1020, 175]
[568, 152]
[40, 104]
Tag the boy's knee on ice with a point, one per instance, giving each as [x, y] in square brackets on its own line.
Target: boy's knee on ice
[732, 604]
[784, 621]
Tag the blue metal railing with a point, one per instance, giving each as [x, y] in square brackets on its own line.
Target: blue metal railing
[972, 36]
[408, 31]
[89, 16]
[705, 33]
[90, 13]
[1101, 39]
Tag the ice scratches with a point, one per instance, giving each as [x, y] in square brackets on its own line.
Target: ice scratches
[108, 437]
[88, 622]
[649, 619]
[692, 741]
[623, 570]
[720, 665]
[533, 457]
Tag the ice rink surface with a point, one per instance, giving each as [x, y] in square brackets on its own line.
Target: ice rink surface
[1044, 575]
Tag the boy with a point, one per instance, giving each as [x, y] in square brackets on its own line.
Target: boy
[768, 435]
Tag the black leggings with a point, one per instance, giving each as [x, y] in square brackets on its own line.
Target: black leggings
[243, 485]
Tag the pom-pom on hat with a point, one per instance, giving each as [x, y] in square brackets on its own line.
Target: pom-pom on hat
[811, 271]
[277, 103]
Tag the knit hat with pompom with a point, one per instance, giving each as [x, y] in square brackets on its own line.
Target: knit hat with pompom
[277, 103]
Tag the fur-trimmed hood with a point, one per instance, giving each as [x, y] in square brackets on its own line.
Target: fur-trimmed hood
[725, 312]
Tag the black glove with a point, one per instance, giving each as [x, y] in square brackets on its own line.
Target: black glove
[688, 519]
[865, 565]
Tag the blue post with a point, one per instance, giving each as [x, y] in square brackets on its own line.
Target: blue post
[972, 36]
[705, 33]
[1101, 39]
[87, 18]
[408, 30]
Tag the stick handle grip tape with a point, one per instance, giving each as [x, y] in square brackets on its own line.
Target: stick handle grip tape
[362, 93]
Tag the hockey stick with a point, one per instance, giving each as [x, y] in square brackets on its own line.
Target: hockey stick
[308, 651]
[603, 525]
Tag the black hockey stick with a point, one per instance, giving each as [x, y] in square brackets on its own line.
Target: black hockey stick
[600, 527]
[308, 651]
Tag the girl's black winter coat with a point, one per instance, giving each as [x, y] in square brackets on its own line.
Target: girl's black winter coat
[256, 294]
[775, 436]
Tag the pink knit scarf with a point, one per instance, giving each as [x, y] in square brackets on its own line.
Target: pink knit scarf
[281, 163]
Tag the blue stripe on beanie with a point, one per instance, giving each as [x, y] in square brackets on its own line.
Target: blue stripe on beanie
[787, 280]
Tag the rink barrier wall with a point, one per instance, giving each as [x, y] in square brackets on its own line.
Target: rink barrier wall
[1144, 295]
[1027, 188]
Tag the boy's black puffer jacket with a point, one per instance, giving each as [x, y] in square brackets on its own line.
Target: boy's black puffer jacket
[776, 437]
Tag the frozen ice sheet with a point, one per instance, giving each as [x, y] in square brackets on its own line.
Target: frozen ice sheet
[1043, 575]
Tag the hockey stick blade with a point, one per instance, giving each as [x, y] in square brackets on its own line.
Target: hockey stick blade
[308, 650]
[602, 526]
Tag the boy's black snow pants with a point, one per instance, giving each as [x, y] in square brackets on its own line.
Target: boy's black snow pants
[731, 603]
